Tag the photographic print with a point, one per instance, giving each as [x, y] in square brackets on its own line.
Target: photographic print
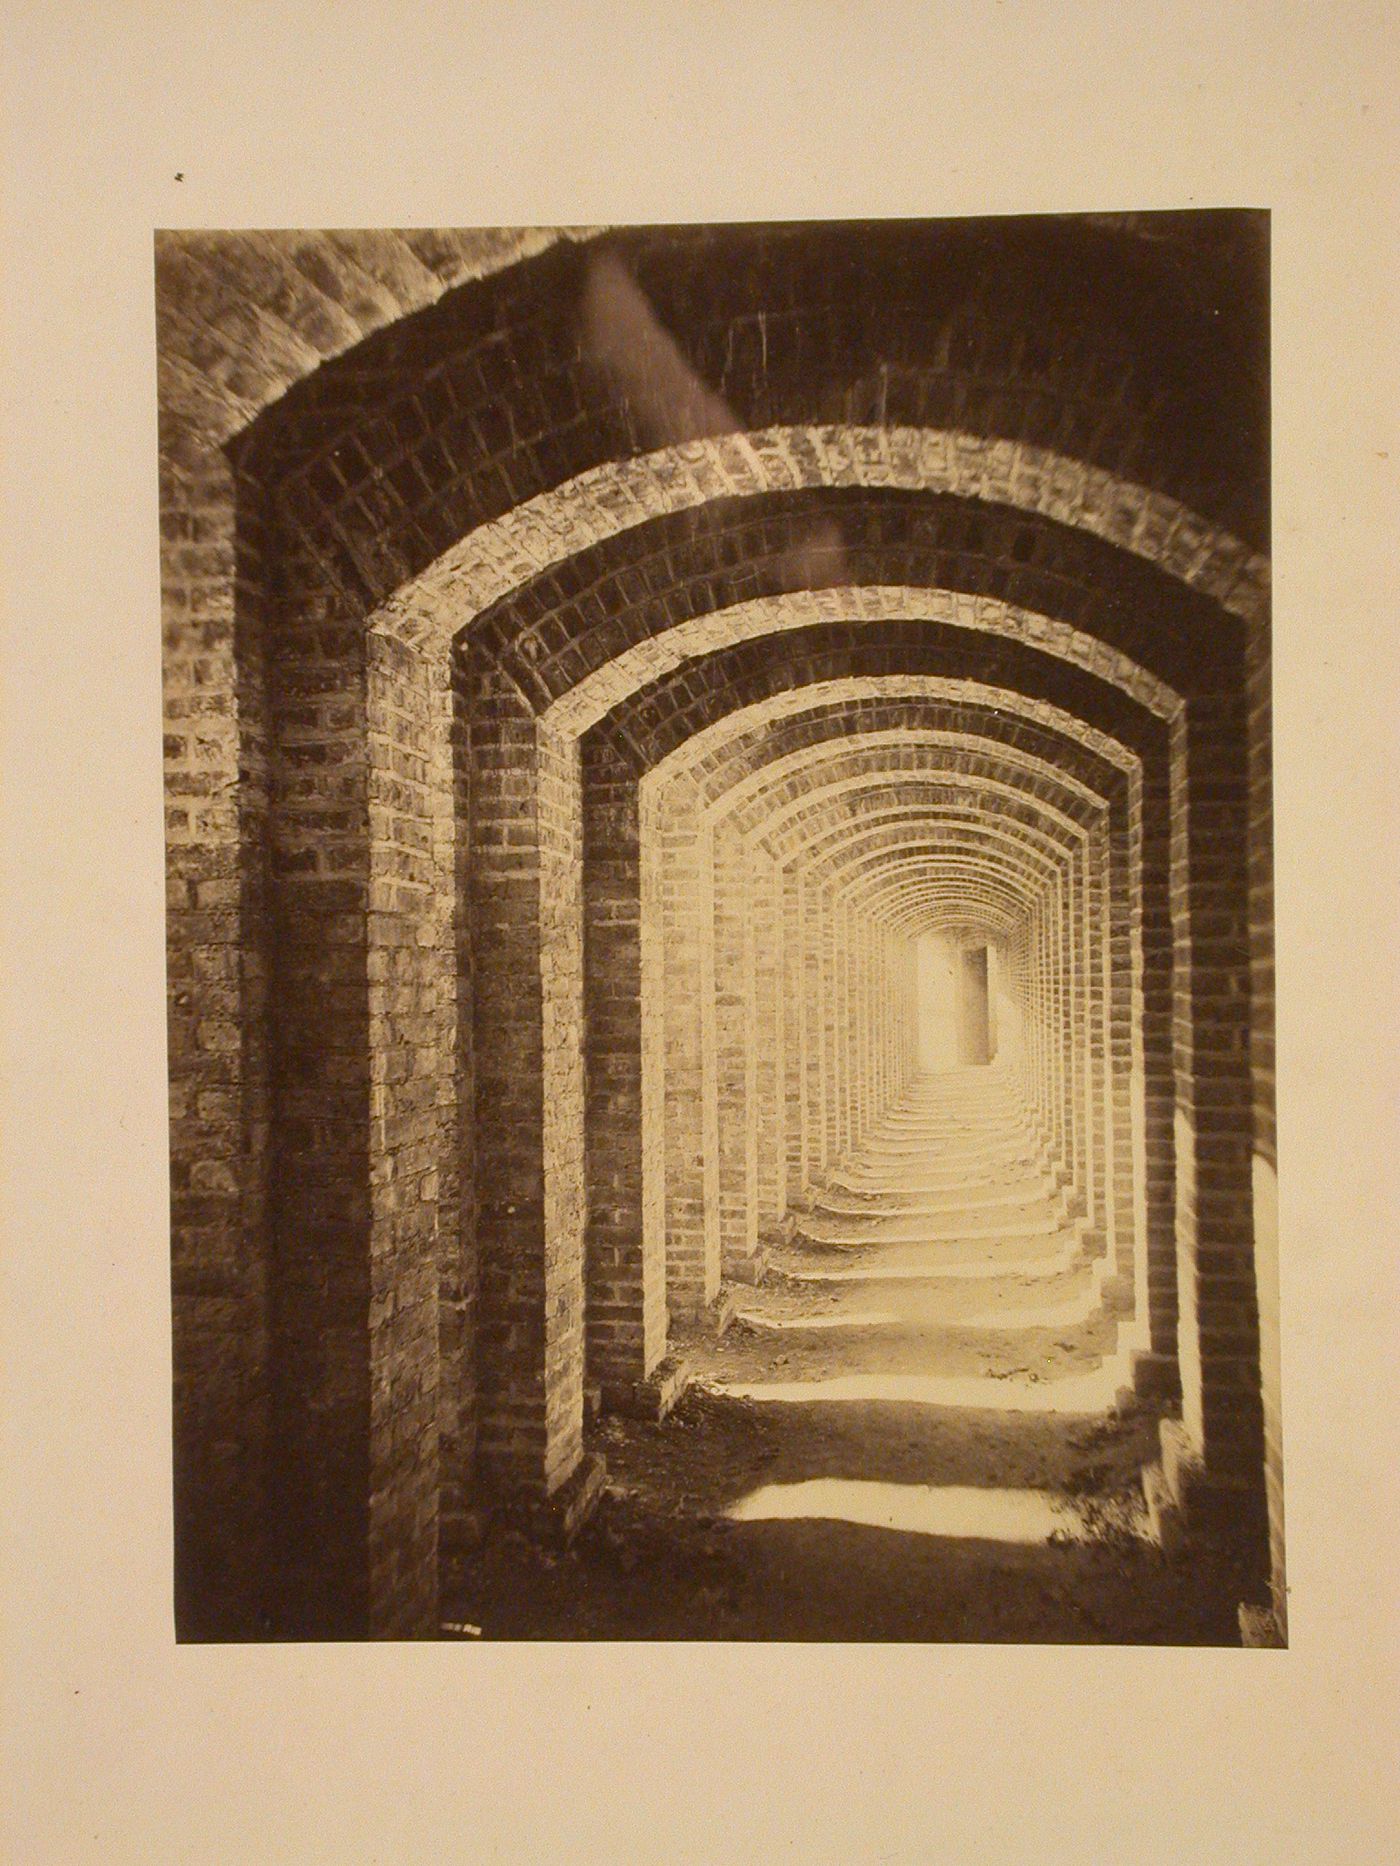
[720, 934]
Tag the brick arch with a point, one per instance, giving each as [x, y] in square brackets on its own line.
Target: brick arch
[1141, 1261]
[819, 780]
[884, 837]
[909, 817]
[825, 693]
[833, 733]
[895, 864]
[687, 995]
[892, 749]
[1182, 771]
[493, 364]
[866, 852]
[884, 880]
[920, 908]
[1141, 864]
[1052, 838]
[834, 801]
[836, 685]
[934, 916]
[968, 756]
[953, 920]
[1087, 1128]
[851, 607]
[412, 940]
[822, 767]
[903, 908]
[948, 879]
[280, 304]
[581, 637]
[618, 1131]
[501, 728]
[889, 896]
[1038, 855]
[533, 538]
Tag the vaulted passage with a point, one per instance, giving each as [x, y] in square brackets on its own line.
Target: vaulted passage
[720, 932]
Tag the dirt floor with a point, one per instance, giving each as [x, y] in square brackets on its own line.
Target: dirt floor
[660, 1559]
[916, 1429]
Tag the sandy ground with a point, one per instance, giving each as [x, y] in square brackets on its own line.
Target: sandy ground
[660, 1559]
[910, 1433]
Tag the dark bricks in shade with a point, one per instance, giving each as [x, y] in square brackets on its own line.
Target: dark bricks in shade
[555, 802]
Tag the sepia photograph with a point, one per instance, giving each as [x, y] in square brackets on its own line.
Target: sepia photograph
[718, 825]
[698, 872]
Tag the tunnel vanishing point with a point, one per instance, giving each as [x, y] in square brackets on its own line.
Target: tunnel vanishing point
[615, 681]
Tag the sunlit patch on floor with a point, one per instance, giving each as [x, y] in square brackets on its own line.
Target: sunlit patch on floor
[856, 1318]
[1038, 1267]
[1093, 1392]
[1030, 1516]
[1051, 1315]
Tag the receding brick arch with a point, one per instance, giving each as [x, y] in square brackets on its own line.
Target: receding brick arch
[1047, 836]
[1163, 1305]
[868, 877]
[910, 817]
[493, 1088]
[528, 541]
[903, 896]
[388, 668]
[998, 882]
[1115, 1004]
[489, 738]
[774, 788]
[839, 726]
[839, 723]
[1164, 1274]
[582, 636]
[1001, 879]
[857, 604]
[884, 841]
[970, 908]
[826, 691]
[1148, 1063]
[880, 756]
[961, 916]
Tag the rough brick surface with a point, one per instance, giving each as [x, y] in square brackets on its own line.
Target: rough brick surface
[555, 802]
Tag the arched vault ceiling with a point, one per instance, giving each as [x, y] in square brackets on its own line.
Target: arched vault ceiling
[934, 914]
[497, 557]
[855, 836]
[884, 750]
[786, 827]
[800, 609]
[663, 717]
[867, 846]
[821, 827]
[1047, 329]
[834, 696]
[957, 885]
[965, 893]
[843, 811]
[867, 891]
[1041, 862]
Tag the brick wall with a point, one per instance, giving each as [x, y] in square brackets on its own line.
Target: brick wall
[526, 905]
[212, 596]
